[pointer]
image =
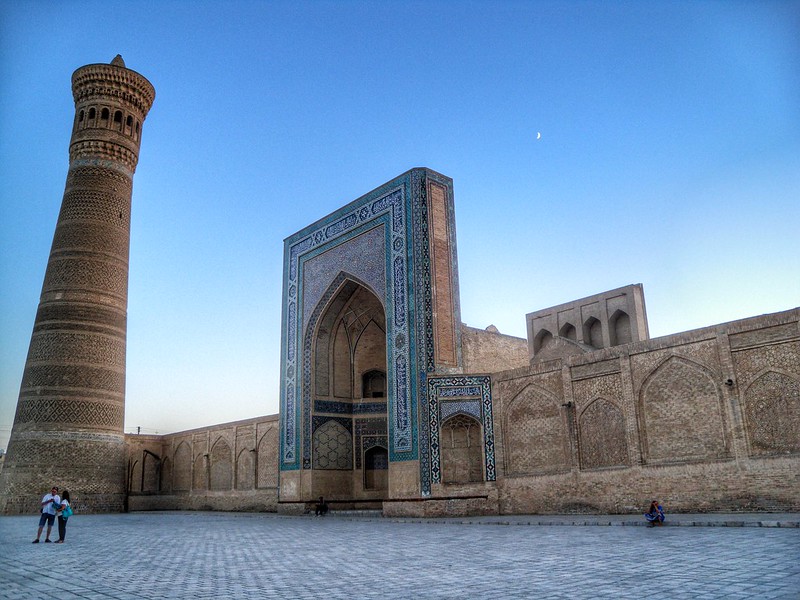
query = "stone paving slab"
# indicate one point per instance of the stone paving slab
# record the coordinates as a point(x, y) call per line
point(242, 555)
point(759, 519)
point(785, 520)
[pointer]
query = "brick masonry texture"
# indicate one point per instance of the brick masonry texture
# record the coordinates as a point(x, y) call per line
point(684, 418)
point(388, 402)
point(489, 351)
point(718, 448)
point(69, 422)
point(224, 467)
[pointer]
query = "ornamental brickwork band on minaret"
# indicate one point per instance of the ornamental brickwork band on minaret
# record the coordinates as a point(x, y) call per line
point(68, 428)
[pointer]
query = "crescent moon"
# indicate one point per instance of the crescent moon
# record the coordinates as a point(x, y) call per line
point(538, 135)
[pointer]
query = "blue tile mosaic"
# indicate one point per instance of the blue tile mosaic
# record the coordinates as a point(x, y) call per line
point(346, 423)
point(459, 394)
point(379, 241)
point(349, 408)
point(460, 407)
point(369, 433)
point(360, 256)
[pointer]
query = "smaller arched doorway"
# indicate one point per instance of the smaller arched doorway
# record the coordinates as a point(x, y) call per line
point(376, 469)
point(373, 384)
point(462, 451)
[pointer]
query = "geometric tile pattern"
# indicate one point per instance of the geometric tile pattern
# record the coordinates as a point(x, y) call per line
point(368, 434)
point(333, 447)
point(772, 414)
point(460, 407)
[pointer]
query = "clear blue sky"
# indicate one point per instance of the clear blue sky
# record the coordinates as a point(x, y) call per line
point(669, 156)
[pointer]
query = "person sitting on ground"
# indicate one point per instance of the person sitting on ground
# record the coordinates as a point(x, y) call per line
point(322, 508)
point(655, 514)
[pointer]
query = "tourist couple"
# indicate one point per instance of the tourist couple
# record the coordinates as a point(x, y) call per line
point(54, 505)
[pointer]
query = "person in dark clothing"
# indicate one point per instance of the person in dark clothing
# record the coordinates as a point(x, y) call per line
point(321, 508)
point(63, 516)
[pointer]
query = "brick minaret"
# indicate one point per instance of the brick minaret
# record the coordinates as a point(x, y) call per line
point(68, 428)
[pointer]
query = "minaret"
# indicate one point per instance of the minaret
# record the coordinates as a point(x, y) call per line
point(68, 428)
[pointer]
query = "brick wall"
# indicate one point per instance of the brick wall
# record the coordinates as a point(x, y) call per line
point(488, 351)
point(233, 466)
point(704, 420)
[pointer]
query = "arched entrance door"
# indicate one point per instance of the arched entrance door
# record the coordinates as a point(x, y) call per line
point(349, 390)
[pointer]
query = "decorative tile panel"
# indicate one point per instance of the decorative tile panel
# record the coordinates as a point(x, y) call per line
point(453, 395)
point(392, 221)
point(368, 434)
point(349, 408)
point(461, 407)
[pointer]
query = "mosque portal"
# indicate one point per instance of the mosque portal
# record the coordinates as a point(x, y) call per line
point(370, 314)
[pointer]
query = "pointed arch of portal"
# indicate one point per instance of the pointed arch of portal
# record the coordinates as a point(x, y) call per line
point(345, 341)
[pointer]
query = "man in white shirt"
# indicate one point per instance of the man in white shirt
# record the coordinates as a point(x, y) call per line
point(50, 504)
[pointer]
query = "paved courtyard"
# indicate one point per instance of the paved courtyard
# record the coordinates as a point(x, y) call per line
point(233, 555)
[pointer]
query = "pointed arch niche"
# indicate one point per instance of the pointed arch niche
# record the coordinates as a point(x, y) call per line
point(376, 468)
point(267, 475)
point(601, 436)
point(681, 416)
point(619, 328)
point(593, 333)
point(537, 440)
point(348, 390)
point(461, 441)
point(182, 468)
point(772, 414)
point(221, 466)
